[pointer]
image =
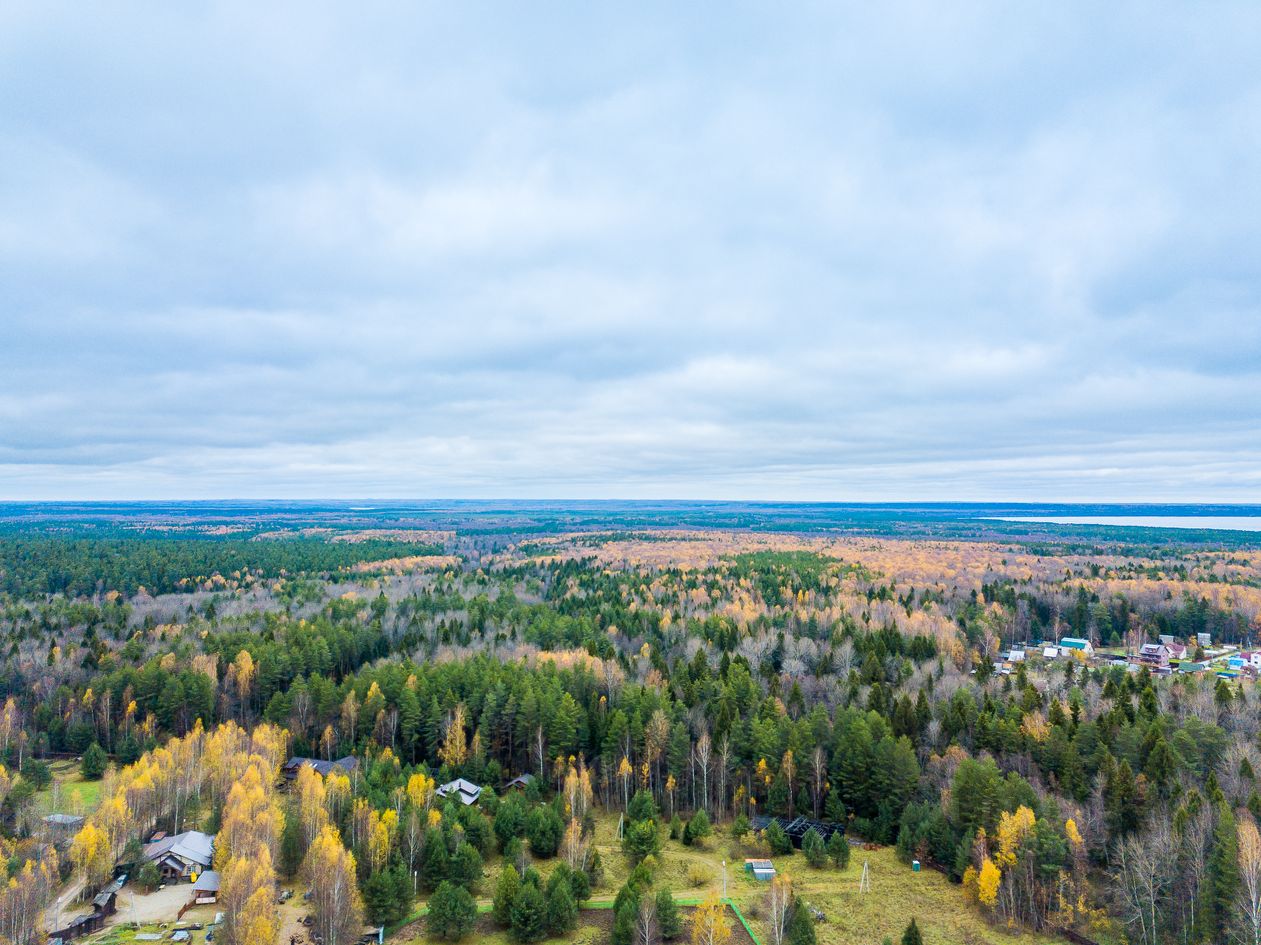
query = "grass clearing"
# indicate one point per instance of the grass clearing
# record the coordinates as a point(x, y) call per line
point(897, 895)
point(68, 793)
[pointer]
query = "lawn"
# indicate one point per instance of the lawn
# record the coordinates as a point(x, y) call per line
point(68, 793)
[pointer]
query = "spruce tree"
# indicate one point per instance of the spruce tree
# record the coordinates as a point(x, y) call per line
point(912, 935)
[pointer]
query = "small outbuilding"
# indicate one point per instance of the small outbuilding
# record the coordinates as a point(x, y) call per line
point(520, 782)
point(206, 888)
point(761, 870)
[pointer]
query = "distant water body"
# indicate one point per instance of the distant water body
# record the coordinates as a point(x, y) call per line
point(1235, 523)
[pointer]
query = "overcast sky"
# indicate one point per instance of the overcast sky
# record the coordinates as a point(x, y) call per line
point(900, 251)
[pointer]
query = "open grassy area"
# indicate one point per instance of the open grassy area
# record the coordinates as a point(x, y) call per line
point(68, 793)
point(897, 894)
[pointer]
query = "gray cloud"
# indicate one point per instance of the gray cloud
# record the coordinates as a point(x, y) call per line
point(905, 252)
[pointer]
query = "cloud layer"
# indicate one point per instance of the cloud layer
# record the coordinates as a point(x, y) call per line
point(893, 252)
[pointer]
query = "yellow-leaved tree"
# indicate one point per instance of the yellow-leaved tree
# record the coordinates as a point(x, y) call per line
point(710, 925)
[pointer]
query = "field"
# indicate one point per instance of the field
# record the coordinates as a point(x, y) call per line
point(897, 895)
point(68, 793)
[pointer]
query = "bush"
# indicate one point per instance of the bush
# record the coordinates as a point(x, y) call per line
point(740, 826)
point(697, 829)
point(676, 828)
point(452, 912)
point(699, 875)
point(149, 878)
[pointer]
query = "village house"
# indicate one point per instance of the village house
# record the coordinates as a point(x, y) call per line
point(1155, 656)
point(290, 768)
point(1077, 643)
point(181, 855)
point(465, 791)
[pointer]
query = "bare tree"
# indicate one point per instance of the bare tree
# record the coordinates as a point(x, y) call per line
point(1144, 876)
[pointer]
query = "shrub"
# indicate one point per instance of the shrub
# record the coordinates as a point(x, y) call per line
point(699, 875)
point(740, 826)
point(697, 829)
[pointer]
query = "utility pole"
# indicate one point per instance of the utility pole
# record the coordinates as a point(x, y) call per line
point(724, 880)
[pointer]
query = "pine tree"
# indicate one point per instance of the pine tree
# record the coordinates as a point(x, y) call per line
point(562, 911)
point(1221, 887)
point(435, 863)
point(668, 919)
point(813, 847)
point(912, 935)
point(838, 850)
point(529, 914)
point(506, 890)
point(452, 912)
point(800, 927)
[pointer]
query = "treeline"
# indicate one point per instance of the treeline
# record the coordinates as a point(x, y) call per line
point(32, 567)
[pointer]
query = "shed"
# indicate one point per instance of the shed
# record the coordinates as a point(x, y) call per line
point(763, 870)
point(206, 889)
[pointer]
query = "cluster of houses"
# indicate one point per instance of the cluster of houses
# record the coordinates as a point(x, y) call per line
point(1163, 658)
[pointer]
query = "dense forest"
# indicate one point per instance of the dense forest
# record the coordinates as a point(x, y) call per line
point(662, 676)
